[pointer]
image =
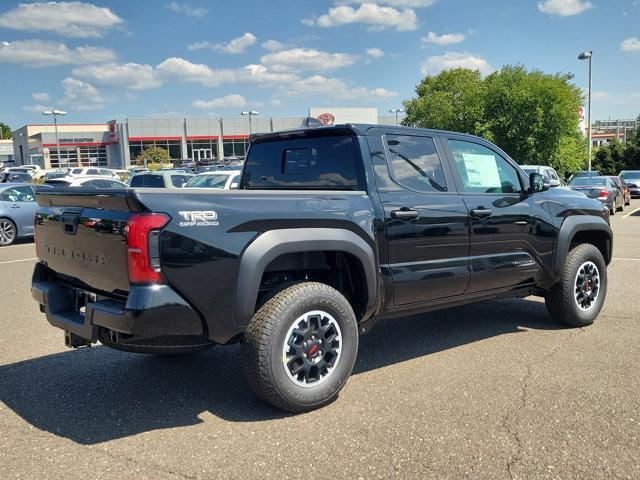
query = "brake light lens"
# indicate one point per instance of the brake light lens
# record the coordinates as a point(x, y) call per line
point(143, 247)
point(603, 193)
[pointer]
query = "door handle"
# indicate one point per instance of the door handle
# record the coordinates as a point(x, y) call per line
point(480, 212)
point(404, 213)
point(15, 205)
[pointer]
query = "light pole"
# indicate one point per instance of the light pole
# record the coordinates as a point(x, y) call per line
point(250, 114)
point(588, 56)
point(55, 114)
point(396, 111)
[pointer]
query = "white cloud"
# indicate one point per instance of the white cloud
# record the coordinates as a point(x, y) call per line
point(187, 9)
point(35, 108)
point(273, 45)
point(374, 52)
point(445, 39)
point(41, 97)
point(336, 89)
point(306, 59)
point(631, 44)
point(186, 71)
point(81, 96)
point(234, 46)
point(228, 101)
point(261, 76)
point(617, 99)
point(70, 19)
point(41, 53)
point(375, 16)
point(393, 3)
point(276, 102)
point(130, 75)
point(437, 63)
point(564, 8)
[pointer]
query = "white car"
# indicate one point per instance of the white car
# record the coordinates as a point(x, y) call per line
point(92, 172)
point(220, 179)
point(91, 182)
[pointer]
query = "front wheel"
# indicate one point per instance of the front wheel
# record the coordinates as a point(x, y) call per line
point(300, 347)
point(577, 298)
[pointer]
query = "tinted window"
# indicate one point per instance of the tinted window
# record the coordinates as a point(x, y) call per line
point(76, 171)
point(151, 181)
point(630, 174)
point(323, 162)
point(482, 170)
point(414, 163)
point(179, 180)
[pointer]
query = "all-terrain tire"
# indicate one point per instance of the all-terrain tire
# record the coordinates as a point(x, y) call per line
point(265, 363)
point(561, 300)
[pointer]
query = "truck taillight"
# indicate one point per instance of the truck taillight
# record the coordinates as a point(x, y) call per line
point(143, 247)
point(603, 193)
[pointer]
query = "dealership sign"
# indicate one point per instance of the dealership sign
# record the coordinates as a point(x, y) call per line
point(113, 134)
point(326, 118)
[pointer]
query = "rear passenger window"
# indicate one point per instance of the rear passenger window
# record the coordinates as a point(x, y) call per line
point(179, 180)
point(93, 171)
point(414, 163)
point(319, 162)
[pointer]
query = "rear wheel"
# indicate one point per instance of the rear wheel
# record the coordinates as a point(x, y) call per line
point(577, 298)
point(300, 347)
point(8, 232)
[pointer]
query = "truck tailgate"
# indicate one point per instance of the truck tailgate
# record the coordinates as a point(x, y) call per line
point(82, 235)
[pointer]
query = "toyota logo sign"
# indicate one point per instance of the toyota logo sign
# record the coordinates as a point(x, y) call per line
point(326, 118)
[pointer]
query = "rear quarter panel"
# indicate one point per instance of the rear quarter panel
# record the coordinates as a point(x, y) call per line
point(200, 258)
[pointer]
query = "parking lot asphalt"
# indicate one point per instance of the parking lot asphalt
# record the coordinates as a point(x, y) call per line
point(493, 390)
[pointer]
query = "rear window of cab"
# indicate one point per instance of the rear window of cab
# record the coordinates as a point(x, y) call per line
point(328, 162)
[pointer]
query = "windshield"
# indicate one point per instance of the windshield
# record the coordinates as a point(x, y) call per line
point(595, 181)
point(630, 174)
point(151, 181)
point(208, 181)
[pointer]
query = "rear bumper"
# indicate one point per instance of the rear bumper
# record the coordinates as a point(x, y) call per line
point(150, 310)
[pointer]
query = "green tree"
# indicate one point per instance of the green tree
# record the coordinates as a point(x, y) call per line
point(451, 100)
point(610, 159)
point(531, 115)
point(153, 155)
point(5, 131)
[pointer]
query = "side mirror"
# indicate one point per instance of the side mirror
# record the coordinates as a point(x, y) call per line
point(554, 183)
point(234, 185)
point(537, 183)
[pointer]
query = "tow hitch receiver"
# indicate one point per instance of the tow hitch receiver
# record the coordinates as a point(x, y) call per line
point(72, 340)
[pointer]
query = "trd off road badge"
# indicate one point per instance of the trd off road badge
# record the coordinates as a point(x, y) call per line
point(199, 218)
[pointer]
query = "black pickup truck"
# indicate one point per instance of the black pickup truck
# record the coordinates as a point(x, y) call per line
point(331, 229)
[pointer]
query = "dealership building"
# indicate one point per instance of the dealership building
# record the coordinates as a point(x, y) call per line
point(117, 143)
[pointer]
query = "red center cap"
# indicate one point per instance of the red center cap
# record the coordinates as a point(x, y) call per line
point(313, 349)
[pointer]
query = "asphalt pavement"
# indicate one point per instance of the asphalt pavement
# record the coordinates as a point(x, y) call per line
point(493, 390)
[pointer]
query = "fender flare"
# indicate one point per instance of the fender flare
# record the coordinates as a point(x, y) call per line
point(573, 225)
point(270, 245)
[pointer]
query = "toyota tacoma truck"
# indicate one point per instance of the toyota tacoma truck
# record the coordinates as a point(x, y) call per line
point(331, 229)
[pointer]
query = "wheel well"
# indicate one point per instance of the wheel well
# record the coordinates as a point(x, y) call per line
point(598, 238)
point(342, 271)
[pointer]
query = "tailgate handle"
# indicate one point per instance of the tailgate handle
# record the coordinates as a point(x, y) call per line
point(70, 221)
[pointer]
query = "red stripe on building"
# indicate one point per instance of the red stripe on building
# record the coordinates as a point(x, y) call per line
point(232, 137)
point(85, 144)
point(202, 137)
point(148, 139)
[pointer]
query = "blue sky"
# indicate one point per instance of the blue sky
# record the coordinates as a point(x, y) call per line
point(172, 58)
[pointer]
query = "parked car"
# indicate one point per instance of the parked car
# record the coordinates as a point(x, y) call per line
point(331, 229)
point(17, 207)
point(162, 179)
point(91, 182)
point(632, 179)
point(620, 183)
point(549, 173)
point(92, 172)
point(583, 173)
point(124, 175)
point(601, 188)
point(15, 177)
point(221, 179)
point(138, 169)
